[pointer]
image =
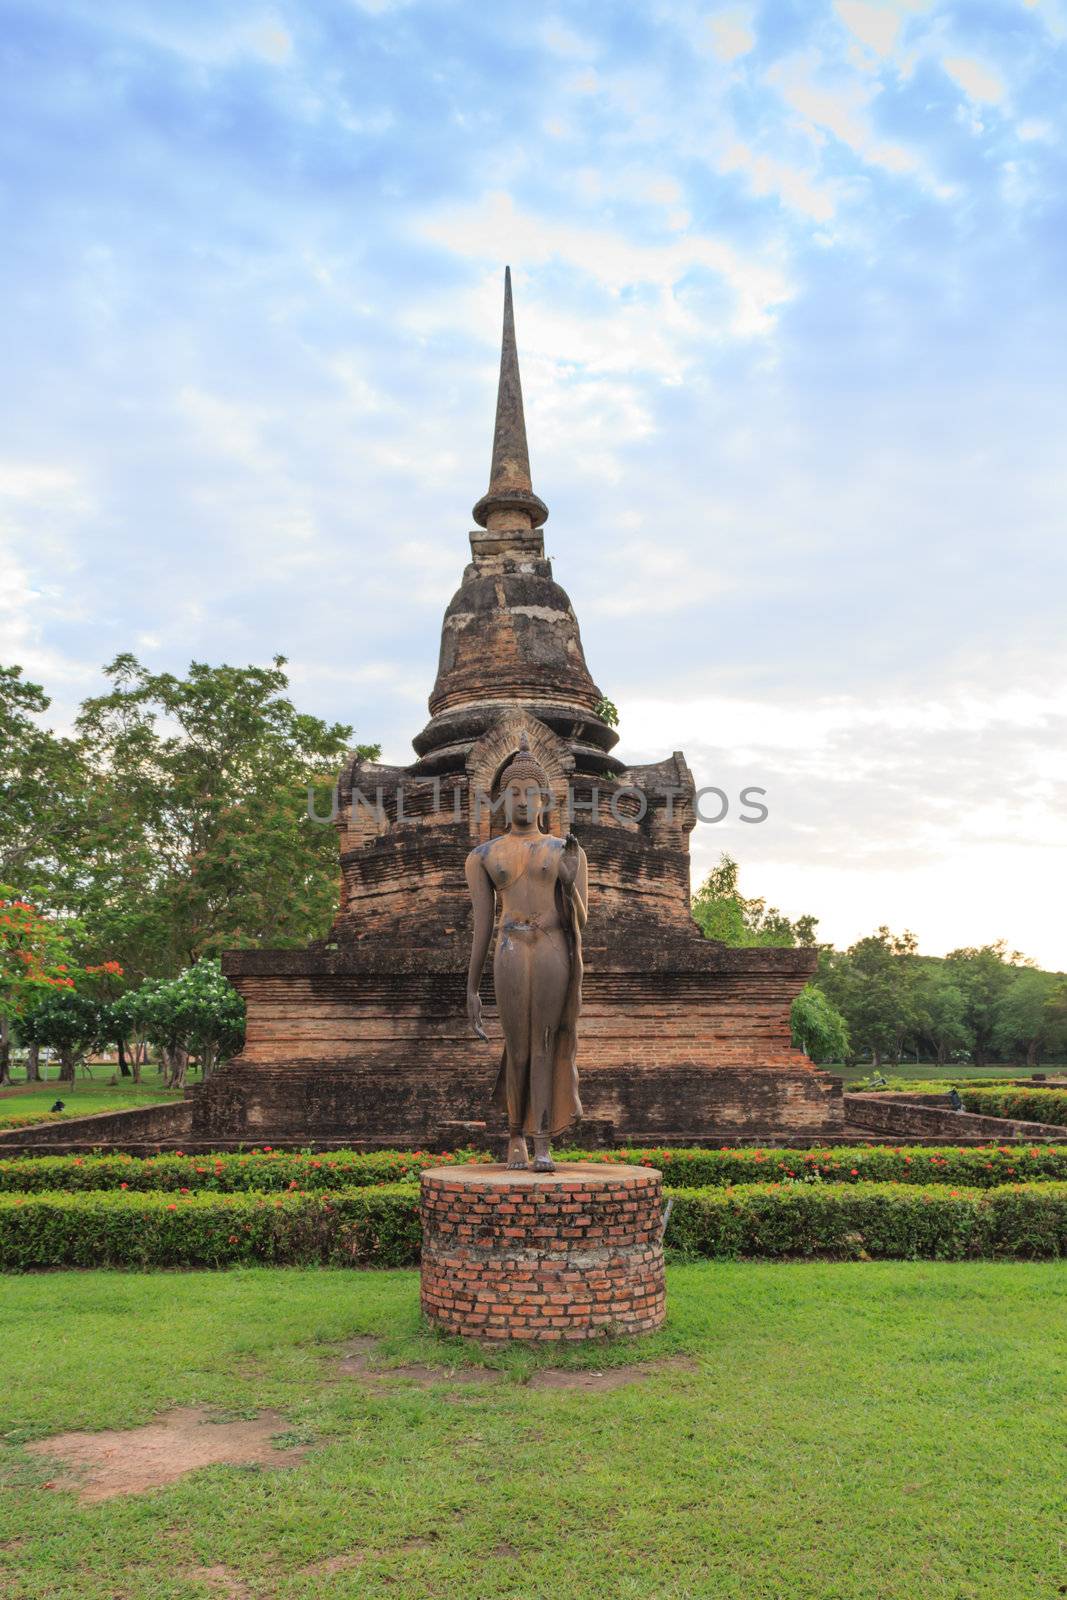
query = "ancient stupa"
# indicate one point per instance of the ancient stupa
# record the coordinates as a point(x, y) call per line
point(363, 1038)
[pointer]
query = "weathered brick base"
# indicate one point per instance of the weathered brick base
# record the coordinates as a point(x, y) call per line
point(573, 1254)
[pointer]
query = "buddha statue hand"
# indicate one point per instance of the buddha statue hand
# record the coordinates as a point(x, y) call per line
point(568, 861)
point(474, 1014)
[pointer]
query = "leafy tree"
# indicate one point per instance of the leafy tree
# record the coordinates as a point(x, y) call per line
point(34, 960)
point(941, 1014)
point(1056, 1005)
point(818, 1027)
point(196, 1015)
point(723, 913)
point(873, 985)
point(198, 834)
point(42, 790)
point(67, 1022)
point(106, 984)
point(983, 974)
point(1027, 1024)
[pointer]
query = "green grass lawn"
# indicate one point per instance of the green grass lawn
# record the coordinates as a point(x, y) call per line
point(891, 1431)
point(928, 1073)
point(85, 1095)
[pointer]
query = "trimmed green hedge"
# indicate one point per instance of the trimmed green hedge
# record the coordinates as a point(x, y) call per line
point(1025, 1105)
point(981, 1167)
point(357, 1227)
point(261, 1170)
point(871, 1221)
point(283, 1171)
point(380, 1227)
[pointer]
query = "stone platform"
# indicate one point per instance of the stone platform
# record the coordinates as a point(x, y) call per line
point(572, 1254)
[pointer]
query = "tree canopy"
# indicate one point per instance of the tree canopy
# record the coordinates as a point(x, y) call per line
point(174, 824)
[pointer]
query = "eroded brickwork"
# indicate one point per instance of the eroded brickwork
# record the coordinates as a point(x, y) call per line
point(573, 1255)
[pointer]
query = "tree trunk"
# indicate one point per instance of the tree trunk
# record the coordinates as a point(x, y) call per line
point(66, 1066)
point(5, 1050)
point(124, 1070)
point(33, 1064)
point(1033, 1053)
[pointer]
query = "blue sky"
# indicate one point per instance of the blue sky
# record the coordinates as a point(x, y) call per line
point(789, 291)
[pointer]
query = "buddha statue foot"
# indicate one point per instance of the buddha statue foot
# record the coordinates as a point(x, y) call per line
point(542, 1161)
point(518, 1155)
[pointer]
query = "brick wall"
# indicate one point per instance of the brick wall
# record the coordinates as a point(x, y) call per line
point(575, 1255)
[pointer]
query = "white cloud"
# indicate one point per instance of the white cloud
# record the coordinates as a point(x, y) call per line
point(586, 82)
point(647, 578)
point(875, 26)
point(209, 43)
point(272, 42)
point(45, 486)
point(793, 187)
point(1033, 128)
point(980, 82)
point(825, 99)
point(226, 427)
point(894, 809)
point(42, 512)
point(731, 34)
point(620, 263)
point(563, 40)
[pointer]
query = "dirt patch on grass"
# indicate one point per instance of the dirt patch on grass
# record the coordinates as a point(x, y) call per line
point(592, 1379)
point(222, 1581)
point(344, 1563)
point(102, 1465)
point(357, 1358)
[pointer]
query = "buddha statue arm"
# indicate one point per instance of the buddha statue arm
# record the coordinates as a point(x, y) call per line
point(481, 889)
point(574, 876)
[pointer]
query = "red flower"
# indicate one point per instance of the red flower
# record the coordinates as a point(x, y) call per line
point(172, 1207)
point(854, 1173)
point(124, 1186)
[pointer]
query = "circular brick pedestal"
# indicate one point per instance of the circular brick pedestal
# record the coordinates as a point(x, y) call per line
point(569, 1254)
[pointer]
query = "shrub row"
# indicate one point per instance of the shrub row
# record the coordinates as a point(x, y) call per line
point(380, 1227)
point(275, 1171)
point(356, 1227)
point(263, 1170)
point(1026, 1105)
point(978, 1167)
point(871, 1221)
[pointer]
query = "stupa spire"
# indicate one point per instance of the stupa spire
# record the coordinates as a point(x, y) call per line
point(510, 501)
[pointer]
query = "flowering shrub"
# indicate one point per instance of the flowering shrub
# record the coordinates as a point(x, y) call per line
point(380, 1227)
point(270, 1171)
point(264, 1170)
point(978, 1167)
point(1026, 1105)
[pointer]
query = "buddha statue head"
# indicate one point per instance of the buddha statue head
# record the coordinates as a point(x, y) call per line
point(525, 788)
